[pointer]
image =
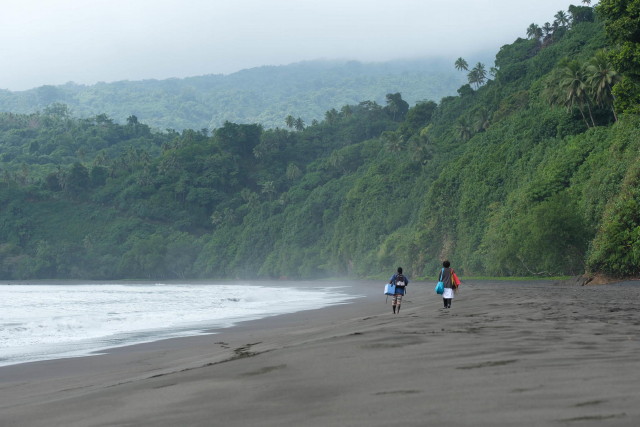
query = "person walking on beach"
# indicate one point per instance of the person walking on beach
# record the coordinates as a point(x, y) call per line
point(446, 277)
point(401, 281)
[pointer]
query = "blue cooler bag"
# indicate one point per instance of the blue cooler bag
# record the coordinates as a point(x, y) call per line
point(389, 289)
point(440, 286)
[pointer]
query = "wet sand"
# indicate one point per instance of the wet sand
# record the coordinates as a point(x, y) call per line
point(505, 354)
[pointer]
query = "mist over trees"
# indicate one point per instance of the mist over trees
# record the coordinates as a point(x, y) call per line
point(262, 95)
point(531, 169)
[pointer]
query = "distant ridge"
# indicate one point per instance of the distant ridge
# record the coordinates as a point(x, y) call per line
point(264, 95)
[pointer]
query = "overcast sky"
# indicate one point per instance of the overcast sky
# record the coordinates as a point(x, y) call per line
point(86, 41)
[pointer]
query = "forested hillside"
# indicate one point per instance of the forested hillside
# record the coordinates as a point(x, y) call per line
point(264, 95)
point(532, 170)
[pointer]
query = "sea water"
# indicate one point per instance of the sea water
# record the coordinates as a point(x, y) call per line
point(50, 321)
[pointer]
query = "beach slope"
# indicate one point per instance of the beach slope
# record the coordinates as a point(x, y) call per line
point(506, 353)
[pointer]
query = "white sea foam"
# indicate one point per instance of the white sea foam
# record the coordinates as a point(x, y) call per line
point(48, 321)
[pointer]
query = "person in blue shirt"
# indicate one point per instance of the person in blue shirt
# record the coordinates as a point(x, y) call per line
point(401, 281)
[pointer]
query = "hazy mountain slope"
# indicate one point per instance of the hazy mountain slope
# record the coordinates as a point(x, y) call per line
point(506, 178)
point(264, 95)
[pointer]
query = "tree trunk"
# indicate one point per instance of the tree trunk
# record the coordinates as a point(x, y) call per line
point(584, 118)
point(593, 122)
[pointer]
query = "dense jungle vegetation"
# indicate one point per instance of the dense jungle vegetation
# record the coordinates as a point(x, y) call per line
point(262, 95)
point(532, 169)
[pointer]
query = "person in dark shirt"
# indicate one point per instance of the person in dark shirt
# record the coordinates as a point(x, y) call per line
point(446, 277)
point(401, 281)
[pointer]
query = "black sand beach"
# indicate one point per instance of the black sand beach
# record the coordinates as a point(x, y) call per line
point(506, 354)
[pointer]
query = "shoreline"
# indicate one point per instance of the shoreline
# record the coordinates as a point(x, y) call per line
point(537, 353)
point(364, 289)
point(253, 300)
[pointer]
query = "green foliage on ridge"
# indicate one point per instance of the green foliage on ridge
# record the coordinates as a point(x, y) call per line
point(517, 177)
point(264, 95)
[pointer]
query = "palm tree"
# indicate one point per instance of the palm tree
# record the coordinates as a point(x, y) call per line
point(101, 159)
point(393, 141)
point(482, 119)
point(533, 31)
point(331, 116)
point(228, 215)
point(482, 72)
point(335, 160)
point(539, 33)
point(478, 75)
point(472, 77)
point(249, 197)
point(420, 149)
point(464, 128)
point(573, 87)
point(547, 30)
point(346, 111)
point(132, 120)
point(268, 188)
point(258, 151)
point(82, 154)
point(396, 106)
point(601, 77)
point(461, 64)
point(562, 18)
point(216, 218)
point(299, 125)
point(293, 172)
point(290, 121)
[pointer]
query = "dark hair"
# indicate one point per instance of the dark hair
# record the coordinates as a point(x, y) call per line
point(446, 264)
point(400, 270)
